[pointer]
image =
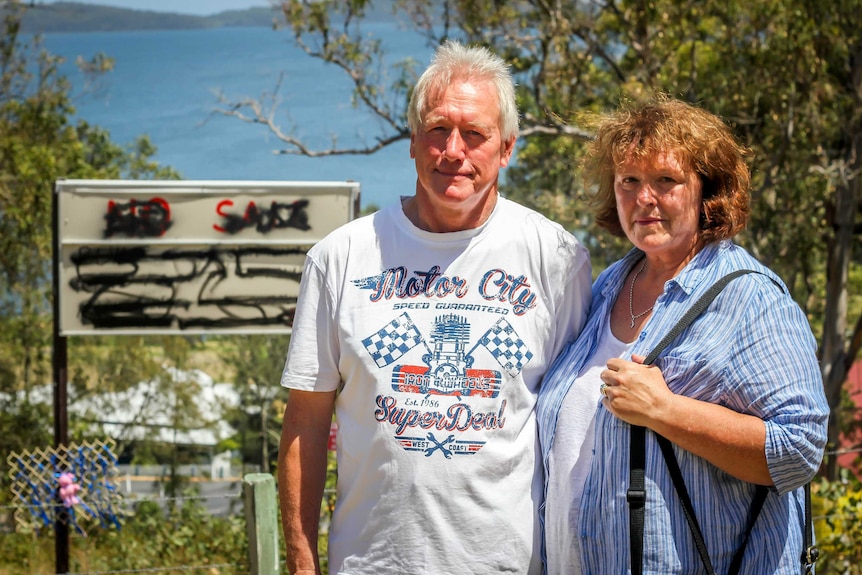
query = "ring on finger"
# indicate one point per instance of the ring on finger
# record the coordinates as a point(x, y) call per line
point(603, 388)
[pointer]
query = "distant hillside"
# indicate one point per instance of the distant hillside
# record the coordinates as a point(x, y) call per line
point(77, 17)
point(80, 17)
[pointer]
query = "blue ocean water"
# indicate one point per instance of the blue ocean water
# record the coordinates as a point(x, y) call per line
point(164, 83)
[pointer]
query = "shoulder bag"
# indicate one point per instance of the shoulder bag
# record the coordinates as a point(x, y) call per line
point(636, 494)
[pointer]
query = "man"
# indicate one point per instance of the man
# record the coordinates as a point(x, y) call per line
point(427, 328)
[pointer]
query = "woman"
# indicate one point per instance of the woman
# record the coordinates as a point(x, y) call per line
point(738, 393)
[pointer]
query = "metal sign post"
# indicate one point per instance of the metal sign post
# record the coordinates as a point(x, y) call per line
point(61, 424)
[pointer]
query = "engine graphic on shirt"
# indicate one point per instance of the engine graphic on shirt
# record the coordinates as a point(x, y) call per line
point(447, 362)
point(446, 371)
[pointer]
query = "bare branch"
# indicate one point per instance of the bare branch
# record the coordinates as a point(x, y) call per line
point(556, 130)
point(301, 149)
point(255, 111)
point(361, 59)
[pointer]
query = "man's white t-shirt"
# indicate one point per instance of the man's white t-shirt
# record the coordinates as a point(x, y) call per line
point(437, 343)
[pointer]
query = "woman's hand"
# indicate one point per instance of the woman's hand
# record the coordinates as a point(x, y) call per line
point(636, 393)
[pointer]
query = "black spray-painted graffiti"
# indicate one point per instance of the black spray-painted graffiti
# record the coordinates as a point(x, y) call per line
point(138, 219)
point(152, 218)
point(207, 288)
point(277, 216)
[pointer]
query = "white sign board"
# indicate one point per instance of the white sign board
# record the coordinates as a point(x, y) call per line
point(174, 257)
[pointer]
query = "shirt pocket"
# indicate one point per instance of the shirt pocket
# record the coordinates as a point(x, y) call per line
point(691, 377)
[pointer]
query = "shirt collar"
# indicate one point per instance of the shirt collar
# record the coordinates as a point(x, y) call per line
point(692, 275)
point(700, 268)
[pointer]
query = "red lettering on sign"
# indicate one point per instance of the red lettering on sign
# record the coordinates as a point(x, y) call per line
point(150, 218)
point(222, 204)
point(277, 216)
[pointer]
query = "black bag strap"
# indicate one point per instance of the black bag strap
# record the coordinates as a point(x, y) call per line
point(687, 507)
point(636, 497)
point(692, 313)
point(757, 502)
point(760, 493)
point(810, 553)
point(636, 494)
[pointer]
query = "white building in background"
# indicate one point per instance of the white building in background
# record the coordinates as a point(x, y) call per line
point(147, 412)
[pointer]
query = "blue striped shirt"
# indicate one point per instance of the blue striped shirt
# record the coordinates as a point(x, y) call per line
point(751, 351)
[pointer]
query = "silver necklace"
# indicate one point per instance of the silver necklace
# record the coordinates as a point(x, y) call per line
point(632, 296)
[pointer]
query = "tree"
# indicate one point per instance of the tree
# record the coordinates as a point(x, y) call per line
point(145, 379)
point(39, 143)
point(256, 362)
point(785, 74)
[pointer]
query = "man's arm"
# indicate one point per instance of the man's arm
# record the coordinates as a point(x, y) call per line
point(302, 475)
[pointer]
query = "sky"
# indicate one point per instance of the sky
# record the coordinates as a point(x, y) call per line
point(198, 7)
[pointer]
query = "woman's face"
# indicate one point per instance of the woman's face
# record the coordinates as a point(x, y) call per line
point(659, 205)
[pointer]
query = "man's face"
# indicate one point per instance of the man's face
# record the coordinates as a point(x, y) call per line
point(459, 151)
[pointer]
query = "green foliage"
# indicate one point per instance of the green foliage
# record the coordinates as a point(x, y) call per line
point(185, 535)
point(369, 209)
point(331, 30)
point(39, 144)
point(784, 74)
point(837, 508)
point(256, 362)
point(23, 426)
point(106, 375)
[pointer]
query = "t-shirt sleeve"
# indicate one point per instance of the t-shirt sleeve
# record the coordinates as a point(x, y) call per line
point(312, 357)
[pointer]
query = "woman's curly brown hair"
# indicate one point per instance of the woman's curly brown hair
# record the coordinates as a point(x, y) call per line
point(701, 141)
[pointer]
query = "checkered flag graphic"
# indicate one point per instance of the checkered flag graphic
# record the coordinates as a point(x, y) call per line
point(397, 338)
point(507, 347)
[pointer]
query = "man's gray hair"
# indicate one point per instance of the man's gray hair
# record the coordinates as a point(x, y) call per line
point(453, 61)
